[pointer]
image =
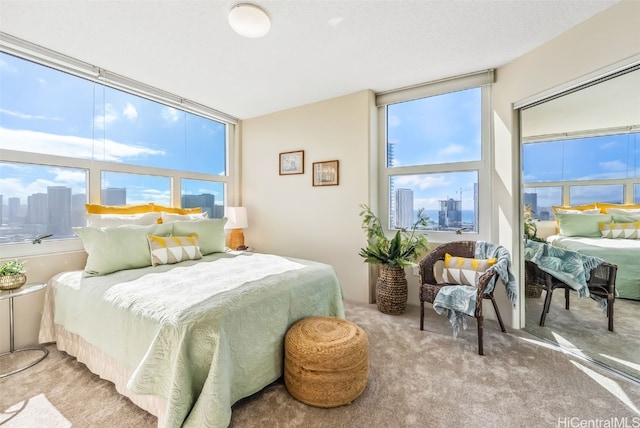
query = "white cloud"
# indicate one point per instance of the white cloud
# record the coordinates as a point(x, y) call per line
point(102, 120)
point(71, 146)
point(130, 112)
point(450, 150)
point(420, 181)
point(170, 115)
point(77, 177)
point(20, 115)
point(613, 166)
point(4, 66)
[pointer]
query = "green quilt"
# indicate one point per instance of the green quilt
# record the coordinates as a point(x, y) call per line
point(200, 334)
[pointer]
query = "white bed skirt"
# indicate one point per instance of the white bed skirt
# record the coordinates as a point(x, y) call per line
point(96, 361)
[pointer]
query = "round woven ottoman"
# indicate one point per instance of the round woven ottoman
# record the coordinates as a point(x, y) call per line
point(326, 362)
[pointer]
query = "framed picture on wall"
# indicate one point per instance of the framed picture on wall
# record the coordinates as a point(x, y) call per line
point(325, 173)
point(292, 163)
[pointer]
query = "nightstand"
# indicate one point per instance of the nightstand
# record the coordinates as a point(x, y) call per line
point(11, 294)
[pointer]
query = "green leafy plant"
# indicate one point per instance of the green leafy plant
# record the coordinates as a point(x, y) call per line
point(12, 268)
point(401, 250)
point(530, 227)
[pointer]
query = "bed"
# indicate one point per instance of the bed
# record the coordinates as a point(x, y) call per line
point(184, 340)
point(611, 233)
point(622, 252)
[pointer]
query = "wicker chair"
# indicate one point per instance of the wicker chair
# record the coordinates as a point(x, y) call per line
point(602, 283)
point(429, 286)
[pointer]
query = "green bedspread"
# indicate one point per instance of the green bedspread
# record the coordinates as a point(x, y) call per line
point(622, 252)
point(202, 334)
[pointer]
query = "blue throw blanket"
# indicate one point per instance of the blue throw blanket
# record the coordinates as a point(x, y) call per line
point(570, 267)
point(487, 250)
point(458, 301)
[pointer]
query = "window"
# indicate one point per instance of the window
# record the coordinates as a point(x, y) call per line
point(131, 189)
point(600, 168)
point(541, 199)
point(67, 139)
point(39, 200)
point(434, 154)
point(203, 194)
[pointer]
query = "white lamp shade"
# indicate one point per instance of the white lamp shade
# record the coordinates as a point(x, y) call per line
point(249, 20)
point(236, 218)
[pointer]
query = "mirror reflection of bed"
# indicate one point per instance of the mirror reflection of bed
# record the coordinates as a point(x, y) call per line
point(581, 154)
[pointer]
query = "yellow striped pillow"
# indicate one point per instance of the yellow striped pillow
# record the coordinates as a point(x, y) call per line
point(464, 271)
point(620, 230)
point(174, 249)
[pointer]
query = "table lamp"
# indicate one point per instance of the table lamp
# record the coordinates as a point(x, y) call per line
point(236, 221)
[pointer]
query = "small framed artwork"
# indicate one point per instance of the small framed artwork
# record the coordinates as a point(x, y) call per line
point(292, 163)
point(325, 173)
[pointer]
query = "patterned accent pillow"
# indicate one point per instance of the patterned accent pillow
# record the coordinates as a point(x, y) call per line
point(174, 249)
point(464, 271)
point(620, 230)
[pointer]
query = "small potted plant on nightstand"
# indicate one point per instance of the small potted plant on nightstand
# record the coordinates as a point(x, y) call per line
point(12, 275)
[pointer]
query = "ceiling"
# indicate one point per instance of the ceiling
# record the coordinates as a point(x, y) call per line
point(316, 49)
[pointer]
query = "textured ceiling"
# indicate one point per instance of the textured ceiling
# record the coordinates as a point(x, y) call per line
point(316, 49)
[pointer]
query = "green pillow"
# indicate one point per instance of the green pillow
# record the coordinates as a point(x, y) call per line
point(625, 218)
point(210, 233)
point(581, 224)
point(111, 249)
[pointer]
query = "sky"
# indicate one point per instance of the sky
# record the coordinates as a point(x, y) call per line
point(594, 158)
point(46, 111)
point(439, 129)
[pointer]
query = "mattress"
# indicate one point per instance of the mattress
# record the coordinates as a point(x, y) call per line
point(186, 341)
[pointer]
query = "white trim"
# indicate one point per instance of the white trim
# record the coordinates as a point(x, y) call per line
point(583, 80)
point(41, 55)
point(481, 166)
point(581, 134)
point(436, 87)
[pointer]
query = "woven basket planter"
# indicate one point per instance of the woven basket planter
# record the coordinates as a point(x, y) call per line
point(326, 361)
point(11, 282)
point(391, 290)
point(531, 288)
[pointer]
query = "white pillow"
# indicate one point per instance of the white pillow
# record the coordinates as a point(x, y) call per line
point(170, 217)
point(625, 211)
point(570, 211)
point(115, 220)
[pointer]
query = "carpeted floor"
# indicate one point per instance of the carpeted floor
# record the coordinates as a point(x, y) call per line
point(583, 328)
point(416, 379)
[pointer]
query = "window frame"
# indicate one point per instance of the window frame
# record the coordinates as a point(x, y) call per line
point(482, 79)
point(628, 184)
point(62, 63)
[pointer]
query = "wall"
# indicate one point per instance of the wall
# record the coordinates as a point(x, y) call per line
point(27, 309)
point(290, 217)
point(599, 42)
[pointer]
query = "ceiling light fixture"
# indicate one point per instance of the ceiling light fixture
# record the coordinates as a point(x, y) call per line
point(249, 20)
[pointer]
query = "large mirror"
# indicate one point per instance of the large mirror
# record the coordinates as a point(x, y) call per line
point(581, 151)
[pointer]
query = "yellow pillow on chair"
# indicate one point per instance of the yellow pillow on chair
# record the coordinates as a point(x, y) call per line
point(464, 271)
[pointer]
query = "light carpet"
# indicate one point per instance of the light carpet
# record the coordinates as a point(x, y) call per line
point(416, 379)
point(583, 328)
